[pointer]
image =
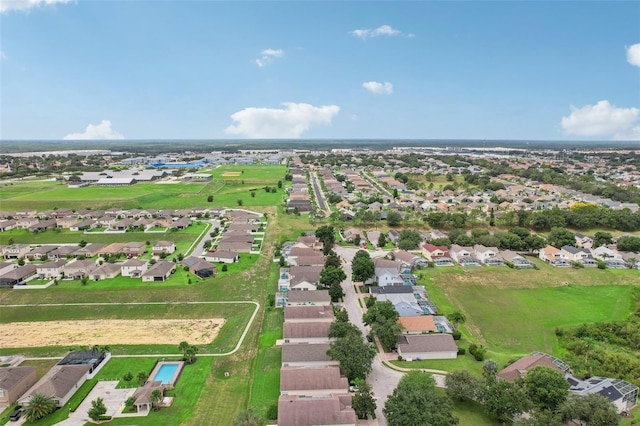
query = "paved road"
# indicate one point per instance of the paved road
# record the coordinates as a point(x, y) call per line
point(317, 189)
point(383, 380)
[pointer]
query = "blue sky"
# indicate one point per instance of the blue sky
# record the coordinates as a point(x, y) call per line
point(526, 70)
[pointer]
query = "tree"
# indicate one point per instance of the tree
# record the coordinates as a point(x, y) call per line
point(210, 199)
point(354, 355)
point(142, 377)
point(592, 408)
point(415, 402)
point(409, 239)
point(239, 201)
point(382, 240)
point(247, 418)
point(456, 317)
point(394, 218)
point(380, 311)
point(504, 400)
point(128, 376)
point(331, 275)
point(38, 407)
point(362, 267)
point(629, 243)
point(462, 386)
point(155, 398)
point(559, 237)
point(327, 235)
point(357, 240)
point(336, 293)
point(363, 402)
point(387, 330)
point(188, 352)
point(343, 329)
point(97, 409)
point(602, 239)
point(333, 260)
point(489, 370)
point(547, 388)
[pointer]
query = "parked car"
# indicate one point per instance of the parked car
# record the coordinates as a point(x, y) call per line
point(15, 416)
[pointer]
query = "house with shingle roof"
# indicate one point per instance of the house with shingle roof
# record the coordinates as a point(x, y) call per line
point(14, 382)
point(306, 355)
point(161, 271)
point(312, 381)
point(427, 346)
point(60, 383)
point(307, 331)
point(300, 410)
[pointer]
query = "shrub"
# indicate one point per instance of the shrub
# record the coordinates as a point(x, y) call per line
point(456, 335)
point(272, 412)
point(478, 352)
point(462, 351)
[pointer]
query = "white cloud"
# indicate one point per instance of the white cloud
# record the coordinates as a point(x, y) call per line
point(603, 119)
point(383, 30)
point(96, 131)
point(268, 56)
point(3, 55)
point(633, 54)
point(385, 88)
point(26, 5)
point(288, 122)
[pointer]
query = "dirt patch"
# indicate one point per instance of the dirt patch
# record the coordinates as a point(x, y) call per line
point(231, 174)
point(109, 332)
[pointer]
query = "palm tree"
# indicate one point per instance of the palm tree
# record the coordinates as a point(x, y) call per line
point(39, 406)
point(155, 398)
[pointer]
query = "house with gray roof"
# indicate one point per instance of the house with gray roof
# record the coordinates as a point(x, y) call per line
point(14, 382)
point(306, 355)
point(312, 381)
point(427, 346)
point(308, 331)
point(60, 383)
point(161, 271)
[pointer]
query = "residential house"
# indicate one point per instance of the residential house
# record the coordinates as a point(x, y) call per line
point(50, 270)
point(465, 256)
point(309, 331)
point(308, 313)
point(583, 240)
point(221, 256)
point(351, 234)
point(180, 224)
point(579, 255)
point(17, 276)
point(90, 250)
point(439, 255)
point(134, 268)
point(83, 225)
point(79, 269)
point(393, 236)
point(239, 247)
point(554, 257)
point(306, 355)
point(312, 381)
point(417, 324)
point(304, 277)
point(62, 252)
point(67, 221)
point(490, 256)
point(427, 346)
point(15, 251)
point(161, 271)
point(519, 262)
point(26, 222)
point(409, 260)
point(14, 382)
point(43, 225)
point(302, 410)
point(134, 249)
point(106, 271)
point(405, 304)
point(163, 247)
point(623, 395)
point(520, 368)
point(301, 298)
point(7, 225)
point(60, 383)
point(41, 252)
point(199, 267)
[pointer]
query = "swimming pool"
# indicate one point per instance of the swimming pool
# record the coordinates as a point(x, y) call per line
point(166, 372)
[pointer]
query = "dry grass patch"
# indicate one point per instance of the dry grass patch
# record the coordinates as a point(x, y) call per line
point(231, 174)
point(109, 332)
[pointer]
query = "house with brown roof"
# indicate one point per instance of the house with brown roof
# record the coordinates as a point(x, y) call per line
point(417, 324)
point(39, 252)
point(106, 271)
point(90, 250)
point(427, 346)
point(309, 331)
point(17, 276)
point(306, 355)
point(79, 269)
point(302, 298)
point(60, 383)
point(309, 313)
point(134, 249)
point(312, 381)
point(14, 382)
point(299, 410)
point(304, 277)
point(199, 267)
point(240, 247)
point(520, 368)
point(554, 256)
point(15, 251)
point(221, 256)
point(161, 271)
point(50, 269)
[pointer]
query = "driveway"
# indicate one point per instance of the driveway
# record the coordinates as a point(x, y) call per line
point(113, 399)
